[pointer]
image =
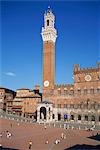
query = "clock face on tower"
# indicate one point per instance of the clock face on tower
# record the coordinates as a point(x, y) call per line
point(88, 78)
point(46, 83)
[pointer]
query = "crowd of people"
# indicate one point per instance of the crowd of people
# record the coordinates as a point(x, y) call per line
point(6, 133)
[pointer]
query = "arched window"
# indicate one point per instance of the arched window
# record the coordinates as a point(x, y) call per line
point(71, 92)
point(65, 92)
point(52, 92)
point(47, 22)
point(92, 91)
point(85, 91)
point(59, 92)
point(98, 90)
point(79, 91)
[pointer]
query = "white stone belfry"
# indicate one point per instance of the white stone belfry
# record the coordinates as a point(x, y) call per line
point(49, 33)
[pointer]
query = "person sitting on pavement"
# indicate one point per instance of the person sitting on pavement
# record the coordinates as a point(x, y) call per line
point(45, 127)
point(8, 134)
point(62, 135)
point(0, 146)
point(30, 144)
point(57, 141)
point(46, 142)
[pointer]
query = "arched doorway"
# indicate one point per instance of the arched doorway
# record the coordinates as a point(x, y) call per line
point(79, 117)
point(72, 117)
point(86, 118)
point(43, 113)
point(59, 117)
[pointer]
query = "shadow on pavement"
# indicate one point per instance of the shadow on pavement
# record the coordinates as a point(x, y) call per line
point(96, 137)
point(84, 147)
point(5, 148)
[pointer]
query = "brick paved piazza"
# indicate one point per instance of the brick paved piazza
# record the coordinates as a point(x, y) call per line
point(23, 132)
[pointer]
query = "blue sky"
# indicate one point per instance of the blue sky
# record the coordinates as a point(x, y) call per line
point(78, 41)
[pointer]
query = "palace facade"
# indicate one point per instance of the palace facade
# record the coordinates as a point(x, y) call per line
point(77, 102)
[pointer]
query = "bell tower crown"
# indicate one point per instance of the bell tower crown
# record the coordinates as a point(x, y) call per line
point(49, 33)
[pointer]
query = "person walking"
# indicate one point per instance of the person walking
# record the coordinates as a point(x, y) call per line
point(46, 142)
point(62, 135)
point(30, 144)
point(45, 127)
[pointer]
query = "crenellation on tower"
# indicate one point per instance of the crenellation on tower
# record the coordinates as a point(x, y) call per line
point(49, 32)
point(76, 67)
point(63, 85)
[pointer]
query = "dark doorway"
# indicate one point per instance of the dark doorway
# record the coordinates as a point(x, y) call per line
point(86, 118)
point(53, 116)
point(79, 117)
point(42, 113)
point(35, 115)
point(72, 117)
point(59, 117)
point(92, 118)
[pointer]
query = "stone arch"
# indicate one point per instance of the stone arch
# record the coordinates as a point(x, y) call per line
point(43, 113)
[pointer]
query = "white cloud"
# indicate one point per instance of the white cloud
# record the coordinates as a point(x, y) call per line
point(10, 74)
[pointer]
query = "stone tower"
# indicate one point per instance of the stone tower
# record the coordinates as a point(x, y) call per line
point(49, 35)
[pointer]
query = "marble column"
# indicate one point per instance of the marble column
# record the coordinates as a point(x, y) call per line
point(47, 114)
point(56, 116)
point(38, 115)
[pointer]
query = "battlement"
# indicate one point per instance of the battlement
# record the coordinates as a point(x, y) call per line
point(77, 69)
point(63, 85)
point(49, 12)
